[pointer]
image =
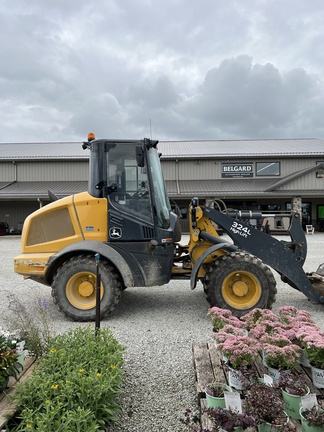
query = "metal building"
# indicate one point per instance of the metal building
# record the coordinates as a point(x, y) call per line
point(269, 175)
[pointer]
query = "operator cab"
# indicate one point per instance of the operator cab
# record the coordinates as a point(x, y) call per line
point(128, 173)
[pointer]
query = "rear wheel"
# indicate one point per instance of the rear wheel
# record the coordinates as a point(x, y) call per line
point(240, 282)
point(74, 288)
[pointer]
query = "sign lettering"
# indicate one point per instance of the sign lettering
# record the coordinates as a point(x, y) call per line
point(237, 170)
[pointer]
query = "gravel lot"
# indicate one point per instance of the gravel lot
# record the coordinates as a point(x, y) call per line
point(157, 326)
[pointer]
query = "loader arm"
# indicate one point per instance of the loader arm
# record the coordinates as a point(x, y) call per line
point(287, 258)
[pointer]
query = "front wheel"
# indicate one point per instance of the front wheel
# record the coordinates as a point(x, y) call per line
point(74, 288)
point(240, 282)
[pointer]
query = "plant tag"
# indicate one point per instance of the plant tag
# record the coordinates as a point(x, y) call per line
point(268, 380)
point(233, 401)
point(20, 347)
point(308, 401)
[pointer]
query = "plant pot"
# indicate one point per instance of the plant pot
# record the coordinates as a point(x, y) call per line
point(317, 377)
point(303, 359)
point(292, 404)
point(275, 374)
point(268, 427)
point(237, 429)
point(305, 425)
point(20, 362)
point(213, 401)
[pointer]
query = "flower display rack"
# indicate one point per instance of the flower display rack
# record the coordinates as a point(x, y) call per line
point(6, 407)
point(209, 367)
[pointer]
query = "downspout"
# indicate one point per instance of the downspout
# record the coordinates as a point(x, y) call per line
point(15, 172)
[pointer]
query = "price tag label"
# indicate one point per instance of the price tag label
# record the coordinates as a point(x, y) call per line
point(308, 401)
point(233, 401)
point(268, 380)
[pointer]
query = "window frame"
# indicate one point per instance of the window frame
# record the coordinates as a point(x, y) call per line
point(269, 164)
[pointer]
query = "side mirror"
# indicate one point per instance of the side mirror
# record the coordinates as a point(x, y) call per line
point(139, 156)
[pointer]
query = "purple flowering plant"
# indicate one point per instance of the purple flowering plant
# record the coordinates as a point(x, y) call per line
point(265, 404)
point(220, 317)
point(228, 419)
point(314, 416)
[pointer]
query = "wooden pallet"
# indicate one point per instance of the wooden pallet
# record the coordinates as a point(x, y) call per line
point(6, 406)
point(209, 368)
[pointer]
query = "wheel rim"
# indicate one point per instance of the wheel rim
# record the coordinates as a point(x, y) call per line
point(81, 290)
point(241, 290)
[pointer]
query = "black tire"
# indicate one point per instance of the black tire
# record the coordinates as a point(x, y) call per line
point(240, 282)
point(73, 288)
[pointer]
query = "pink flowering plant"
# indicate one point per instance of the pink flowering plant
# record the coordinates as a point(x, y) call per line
point(228, 331)
point(241, 351)
point(315, 348)
point(285, 356)
point(220, 317)
point(257, 316)
point(267, 328)
point(290, 314)
point(298, 331)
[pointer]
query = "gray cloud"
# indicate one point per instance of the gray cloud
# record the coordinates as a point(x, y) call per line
point(203, 69)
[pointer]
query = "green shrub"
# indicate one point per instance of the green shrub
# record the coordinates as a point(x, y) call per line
point(75, 386)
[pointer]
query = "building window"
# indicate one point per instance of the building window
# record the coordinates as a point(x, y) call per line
point(267, 168)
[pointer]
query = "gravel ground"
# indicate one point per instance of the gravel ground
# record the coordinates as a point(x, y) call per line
point(157, 326)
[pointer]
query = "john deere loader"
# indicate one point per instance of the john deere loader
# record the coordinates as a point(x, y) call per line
point(125, 218)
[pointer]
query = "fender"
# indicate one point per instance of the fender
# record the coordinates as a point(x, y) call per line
point(222, 245)
point(94, 247)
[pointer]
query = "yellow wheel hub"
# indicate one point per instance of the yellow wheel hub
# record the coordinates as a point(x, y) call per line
point(241, 290)
point(81, 290)
point(86, 289)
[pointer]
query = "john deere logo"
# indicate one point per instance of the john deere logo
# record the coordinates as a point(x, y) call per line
point(115, 232)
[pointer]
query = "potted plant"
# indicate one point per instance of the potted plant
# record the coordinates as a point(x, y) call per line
point(257, 316)
point(300, 331)
point(266, 405)
point(293, 387)
point(315, 353)
point(228, 331)
point(215, 394)
point(290, 314)
point(279, 353)
point(312, 419)
point(16, 344)
point(221, 317)
point(298, 324)
point(241, 352)
point(230, 420)
point(8, 366)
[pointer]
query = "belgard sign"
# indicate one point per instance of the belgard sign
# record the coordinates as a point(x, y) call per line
point(237, 170)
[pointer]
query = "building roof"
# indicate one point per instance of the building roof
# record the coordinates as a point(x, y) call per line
point(307, 147)
point(294, 175)
point(233, 188)
point(42, 151)
point(23, 190)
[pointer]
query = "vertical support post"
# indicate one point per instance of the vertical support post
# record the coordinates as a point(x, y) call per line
point(98, 280)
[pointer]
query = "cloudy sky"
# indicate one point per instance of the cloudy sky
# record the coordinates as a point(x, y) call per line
point(170, 69)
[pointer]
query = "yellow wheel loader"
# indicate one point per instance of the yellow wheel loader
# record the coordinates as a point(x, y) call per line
point(126, 218)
